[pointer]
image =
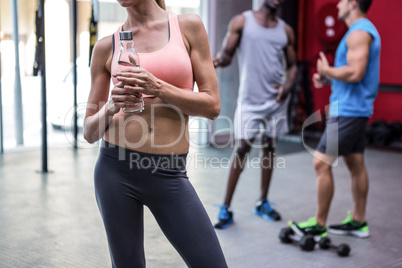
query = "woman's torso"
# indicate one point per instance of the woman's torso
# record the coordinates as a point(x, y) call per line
point(161, 128)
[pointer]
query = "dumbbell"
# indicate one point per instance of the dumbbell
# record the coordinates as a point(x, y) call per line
point(380, 133)
point(396, 130)
point(342, 249)
point(287, 236)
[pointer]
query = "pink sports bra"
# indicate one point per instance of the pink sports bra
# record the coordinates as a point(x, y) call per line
point(171, 64)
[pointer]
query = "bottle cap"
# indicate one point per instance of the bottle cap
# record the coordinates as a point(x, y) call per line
point(126, 35)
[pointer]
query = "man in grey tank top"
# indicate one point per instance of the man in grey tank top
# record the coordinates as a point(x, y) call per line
point(266, 45)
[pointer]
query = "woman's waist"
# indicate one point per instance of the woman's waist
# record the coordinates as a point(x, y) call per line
point(151, 145)
point(144, 159)
point(159, 135)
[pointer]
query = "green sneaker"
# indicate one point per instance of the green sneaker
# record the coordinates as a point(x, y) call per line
point(309, 227)
point(350, 227)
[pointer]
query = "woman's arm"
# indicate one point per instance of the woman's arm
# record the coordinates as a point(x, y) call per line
point(98, 116)
point(204, 103)
point(100, 111)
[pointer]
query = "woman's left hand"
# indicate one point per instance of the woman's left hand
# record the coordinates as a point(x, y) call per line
point(139, 80)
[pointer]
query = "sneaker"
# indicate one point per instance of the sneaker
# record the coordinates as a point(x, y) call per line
point(225, 218)
point(264, 209)
point(350, 227)
point(309, 227)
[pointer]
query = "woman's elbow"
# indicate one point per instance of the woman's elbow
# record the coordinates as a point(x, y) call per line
point(89, 135)
point(89, 138)
point(215, 111)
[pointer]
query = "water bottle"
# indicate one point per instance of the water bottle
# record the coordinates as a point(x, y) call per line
point(128, 57)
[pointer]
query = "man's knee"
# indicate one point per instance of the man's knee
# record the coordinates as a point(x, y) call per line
point(355, 163)
point(267, 144)
point(243, 148)
point(321, 166)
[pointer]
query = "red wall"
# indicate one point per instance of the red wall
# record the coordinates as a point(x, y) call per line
point(386, 17)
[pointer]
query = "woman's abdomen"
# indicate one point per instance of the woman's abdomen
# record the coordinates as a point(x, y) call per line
point(160, 129)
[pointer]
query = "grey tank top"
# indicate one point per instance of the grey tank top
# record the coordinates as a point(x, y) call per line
point(261, 60)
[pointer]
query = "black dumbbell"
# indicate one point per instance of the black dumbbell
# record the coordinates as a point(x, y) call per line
point(287, 236)
point(342, 249)
point(379, 124)
point(396, 130)
point(381, 134)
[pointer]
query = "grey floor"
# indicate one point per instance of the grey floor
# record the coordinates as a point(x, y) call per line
point(52, 220)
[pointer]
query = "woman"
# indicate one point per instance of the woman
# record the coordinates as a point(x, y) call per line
point(142, 157)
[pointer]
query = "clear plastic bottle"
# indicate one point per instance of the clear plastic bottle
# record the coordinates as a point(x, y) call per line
point(128, 57)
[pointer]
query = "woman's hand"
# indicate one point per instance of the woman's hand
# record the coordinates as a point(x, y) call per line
point(138, 80)
point(122, 97)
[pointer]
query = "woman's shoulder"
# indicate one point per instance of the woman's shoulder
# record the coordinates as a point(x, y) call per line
point(102, 52)
point(189, 18)
point(104, 44)
point(190, 22)
point(192, 28)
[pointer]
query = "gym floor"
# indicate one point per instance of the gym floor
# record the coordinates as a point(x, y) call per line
point(53, 221)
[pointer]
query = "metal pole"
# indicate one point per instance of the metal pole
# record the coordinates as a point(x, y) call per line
point(93, 29)
point(19, 126)
point(74, 40)
point(1, 114)
point(1, 102)
point(41, 42)
point(212, 10)
point(96, 9)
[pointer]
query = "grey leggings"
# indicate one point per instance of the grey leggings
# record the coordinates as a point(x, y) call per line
point(159, 182)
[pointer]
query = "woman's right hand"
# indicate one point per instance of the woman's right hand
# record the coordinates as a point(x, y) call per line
point(121, 97)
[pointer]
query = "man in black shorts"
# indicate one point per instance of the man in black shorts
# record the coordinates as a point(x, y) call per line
point(355, 80)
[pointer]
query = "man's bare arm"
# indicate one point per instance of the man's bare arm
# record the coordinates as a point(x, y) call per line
point(291, 73)
point(358, 44)
point(290, 54)
point(230, 42)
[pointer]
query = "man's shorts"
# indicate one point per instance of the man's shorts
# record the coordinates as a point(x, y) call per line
point(343, 136)
point(269, 118)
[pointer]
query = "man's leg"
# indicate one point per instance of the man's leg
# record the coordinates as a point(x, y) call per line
point(263, 207)
point(360, 184)
point(354, 158)
point(325, 185)
point(267, 165)
point(325, 190)
point(239, 157)
point(355, 224)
